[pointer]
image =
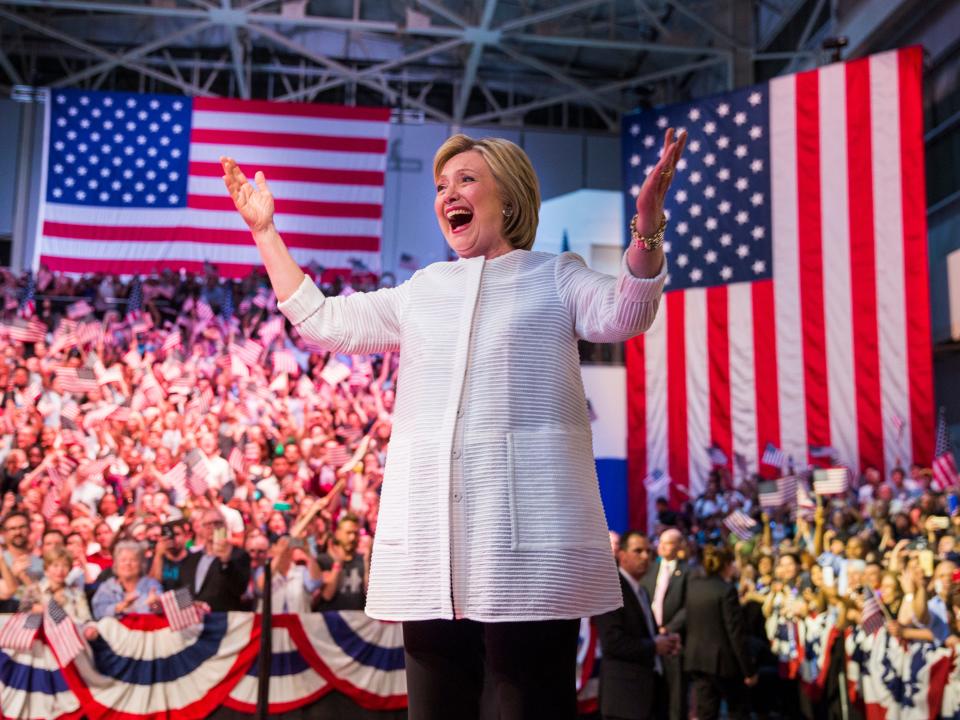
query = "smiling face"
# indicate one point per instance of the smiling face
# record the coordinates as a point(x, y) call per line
point(469, 207)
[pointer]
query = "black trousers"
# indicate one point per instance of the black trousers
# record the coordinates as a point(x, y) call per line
point(530, 669)
point(709, 690)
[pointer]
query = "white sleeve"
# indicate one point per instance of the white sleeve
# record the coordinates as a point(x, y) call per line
point(360, 323)
point(607, 308)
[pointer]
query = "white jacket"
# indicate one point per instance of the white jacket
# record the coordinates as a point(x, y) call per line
point(490, 507)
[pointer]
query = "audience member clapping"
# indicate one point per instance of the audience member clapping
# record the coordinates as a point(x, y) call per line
point(129, 590)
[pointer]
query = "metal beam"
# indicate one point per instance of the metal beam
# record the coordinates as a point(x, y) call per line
point(609, 87)
point(132, 54)
point(698, 20)
point(549, 14)
point(9, 68)
point(473, 61)
point(93, 50)
point(110, 8)
point(445, 13)
point(348, 73)
point(644, 9)
point(588, 94)
point(489, 95)
point(236, 54)
point(627, 45)
point(374, 69)
point(807, 31)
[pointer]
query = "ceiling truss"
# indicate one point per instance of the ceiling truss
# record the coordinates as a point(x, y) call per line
point(573, 63)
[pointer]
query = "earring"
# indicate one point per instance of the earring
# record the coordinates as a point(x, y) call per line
point(508, 211)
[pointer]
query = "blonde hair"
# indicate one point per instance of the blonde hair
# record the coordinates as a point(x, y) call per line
point(55, 555)
point(515, 178)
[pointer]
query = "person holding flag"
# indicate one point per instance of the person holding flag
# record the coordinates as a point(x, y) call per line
point(478, 563)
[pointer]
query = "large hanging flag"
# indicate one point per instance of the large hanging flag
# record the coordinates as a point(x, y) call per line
point(133, 182)
point(797, 309)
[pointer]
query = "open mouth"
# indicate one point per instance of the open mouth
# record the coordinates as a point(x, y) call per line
point(459, 218)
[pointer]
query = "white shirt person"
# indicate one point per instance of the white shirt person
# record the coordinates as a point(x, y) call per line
point(490, 507)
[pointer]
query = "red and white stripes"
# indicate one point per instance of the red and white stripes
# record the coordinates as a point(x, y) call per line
point(835, 350)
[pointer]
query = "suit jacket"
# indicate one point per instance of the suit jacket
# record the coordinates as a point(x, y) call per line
point(627, 671)
point(674, 613)
point(716, 641)
point(224, 583)
point(491, 387)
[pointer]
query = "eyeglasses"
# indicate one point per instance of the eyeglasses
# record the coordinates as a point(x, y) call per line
point(15, 528)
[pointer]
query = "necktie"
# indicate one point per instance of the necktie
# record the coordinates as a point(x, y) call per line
point(663, 580)
point(645, 608)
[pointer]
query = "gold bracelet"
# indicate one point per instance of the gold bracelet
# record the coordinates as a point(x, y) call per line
point(648, 243)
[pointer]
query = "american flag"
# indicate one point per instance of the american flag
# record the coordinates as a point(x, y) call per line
point(944, 463)
point(79, 309)
point(89, 333)
point(335, 372)
point(204, 311)
point(179, 609)
point(235, 459)
point(773, 456)
point(830, 481)
point(26, 330)
point(251, 452)
point(171, 342)
point(262, 298)
point(61, 634)
point(271, 329)
point(871, 616)
point(248, 351)
point(20, 631)
point(198, 472)
point(337, 455)
point(797, 311)
point(284, 362)
point(28, 301)
point(150, 387)
point(94, 468)
point(823, 452)
point(777, 493)
point(806, 505)
point(718, 458)
point(176, 477)
point(741, 524)
point(77, 379)
point(51, 500)
point(133, 181)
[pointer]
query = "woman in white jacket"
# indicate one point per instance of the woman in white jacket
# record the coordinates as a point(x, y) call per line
point(491, 540)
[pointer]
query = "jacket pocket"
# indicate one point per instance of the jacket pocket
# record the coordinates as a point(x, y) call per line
point(393, 519)
point(554, 494)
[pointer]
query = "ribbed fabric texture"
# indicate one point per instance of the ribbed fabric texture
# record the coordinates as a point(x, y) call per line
point(490, 508)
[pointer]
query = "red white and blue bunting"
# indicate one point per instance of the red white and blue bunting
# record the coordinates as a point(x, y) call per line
point(140, 669)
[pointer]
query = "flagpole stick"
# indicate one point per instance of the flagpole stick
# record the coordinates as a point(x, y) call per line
point(266, 644)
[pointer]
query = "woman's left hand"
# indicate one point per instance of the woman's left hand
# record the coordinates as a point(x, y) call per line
point(653, 192)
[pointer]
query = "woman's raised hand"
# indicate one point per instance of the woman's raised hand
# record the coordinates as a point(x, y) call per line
point(254, 204)
point(653, 192)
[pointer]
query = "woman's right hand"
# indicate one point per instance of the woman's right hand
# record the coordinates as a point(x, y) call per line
point(254, 205)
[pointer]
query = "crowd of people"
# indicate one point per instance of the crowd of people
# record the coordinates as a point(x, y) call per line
point(176, 432)
point(883, 555)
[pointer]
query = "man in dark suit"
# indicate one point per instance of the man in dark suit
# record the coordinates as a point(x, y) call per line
point(218, 573)
point(715, 654)
point(631, 672)
point(666, 584)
